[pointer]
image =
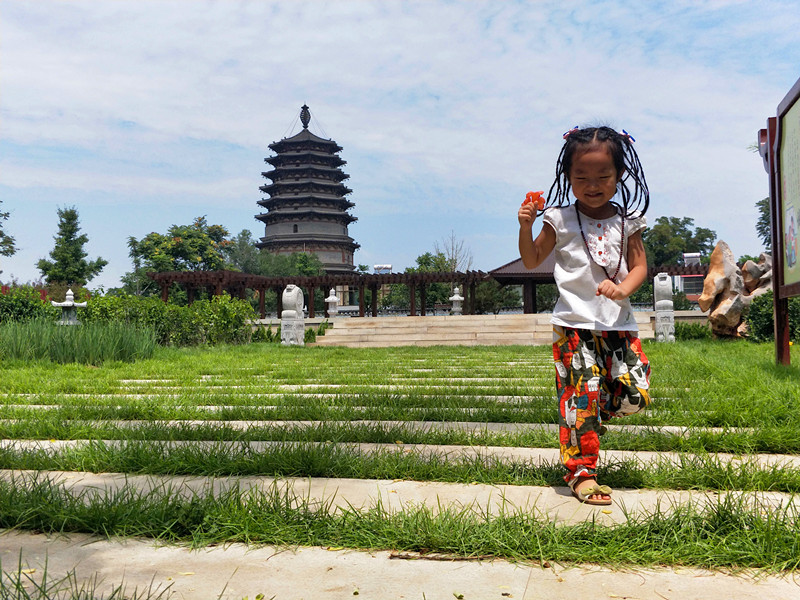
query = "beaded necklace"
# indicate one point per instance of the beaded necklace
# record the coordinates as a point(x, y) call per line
point(585, 243)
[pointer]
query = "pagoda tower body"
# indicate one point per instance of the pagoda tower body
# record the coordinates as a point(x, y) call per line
point(307, 205)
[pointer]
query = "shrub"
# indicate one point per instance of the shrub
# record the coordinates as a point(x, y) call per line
point(90, 344)
point(220, 320)
point(761, 318)
point(681, 302)
point(260, 334)
point(691, 331)
point(24, 303)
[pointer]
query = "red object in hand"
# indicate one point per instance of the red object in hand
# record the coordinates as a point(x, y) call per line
point(536, 198)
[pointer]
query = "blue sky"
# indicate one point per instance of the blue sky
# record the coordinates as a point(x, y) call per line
point(145, 114)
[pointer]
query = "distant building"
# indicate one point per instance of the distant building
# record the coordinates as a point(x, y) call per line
point(382, 269)
point(691, 285)
point(306, 207)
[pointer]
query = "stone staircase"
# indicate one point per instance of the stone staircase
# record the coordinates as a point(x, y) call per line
point(462, 330)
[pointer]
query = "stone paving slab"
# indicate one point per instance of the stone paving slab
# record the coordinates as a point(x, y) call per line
point(548, 503)
point(312, 573)
point(534, 456)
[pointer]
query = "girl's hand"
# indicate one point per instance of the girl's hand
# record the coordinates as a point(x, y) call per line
point(609, 289)
point(526, 214)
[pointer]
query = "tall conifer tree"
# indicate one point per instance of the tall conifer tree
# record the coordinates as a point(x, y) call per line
point(69, 264)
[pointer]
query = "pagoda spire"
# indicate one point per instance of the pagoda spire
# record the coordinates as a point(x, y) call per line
point(305, 116)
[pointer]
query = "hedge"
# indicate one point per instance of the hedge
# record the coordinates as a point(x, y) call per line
point(761, 318)
point(220, 320)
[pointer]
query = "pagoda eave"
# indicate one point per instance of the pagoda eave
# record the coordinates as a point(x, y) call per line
point(272, 218)
point(295, 244)
point(287, 201)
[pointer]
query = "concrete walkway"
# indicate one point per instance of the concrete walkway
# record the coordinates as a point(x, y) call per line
point(548, 503)
point(236, 571)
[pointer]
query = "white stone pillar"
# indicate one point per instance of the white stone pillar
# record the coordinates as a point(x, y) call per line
point(293, 327)
point(665, 313)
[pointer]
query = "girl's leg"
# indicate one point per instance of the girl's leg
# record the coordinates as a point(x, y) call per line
point(578, 390)
point(626, 388)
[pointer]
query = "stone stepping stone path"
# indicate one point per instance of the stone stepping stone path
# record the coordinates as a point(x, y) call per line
point(217, 395)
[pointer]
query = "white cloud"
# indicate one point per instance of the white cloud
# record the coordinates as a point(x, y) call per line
point(443, 108)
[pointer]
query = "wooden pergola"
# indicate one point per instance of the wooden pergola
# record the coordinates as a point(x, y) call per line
point(236, 284)
point(515, 273)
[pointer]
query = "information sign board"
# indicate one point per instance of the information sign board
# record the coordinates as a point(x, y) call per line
point(789, 169)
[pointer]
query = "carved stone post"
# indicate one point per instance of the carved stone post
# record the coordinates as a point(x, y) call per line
point(293, 328)
point(665, 315)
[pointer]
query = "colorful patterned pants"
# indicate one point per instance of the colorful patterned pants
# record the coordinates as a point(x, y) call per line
point(599, 375)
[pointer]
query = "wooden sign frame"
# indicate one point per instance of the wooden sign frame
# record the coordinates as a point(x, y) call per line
point(779, 146)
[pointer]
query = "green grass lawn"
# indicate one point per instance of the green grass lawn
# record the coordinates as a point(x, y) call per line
point(375, 395)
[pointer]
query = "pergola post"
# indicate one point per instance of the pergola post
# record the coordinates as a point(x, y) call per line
point(190, 294)
point(262, 305)
point(311, 291)
point(423, 295)
point(165, 291)
point(472, 286)
point(528, 297)
point(412, 293)
point(361, 299)
point(279, 297)
point(374, 289)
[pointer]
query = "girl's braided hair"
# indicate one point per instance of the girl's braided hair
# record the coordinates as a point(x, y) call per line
point(626, 162)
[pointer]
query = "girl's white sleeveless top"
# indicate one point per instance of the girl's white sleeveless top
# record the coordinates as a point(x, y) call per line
point(578, 271)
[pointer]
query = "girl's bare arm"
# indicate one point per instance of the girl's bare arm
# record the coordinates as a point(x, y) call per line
point(533, 252)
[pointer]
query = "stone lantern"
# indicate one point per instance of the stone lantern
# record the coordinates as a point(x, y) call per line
point(69, 313)
point(456, 299)
point(333, 303)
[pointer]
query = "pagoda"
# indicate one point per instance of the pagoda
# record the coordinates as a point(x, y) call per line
point(306, 207)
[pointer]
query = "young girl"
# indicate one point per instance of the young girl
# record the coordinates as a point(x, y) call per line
point(601, 371)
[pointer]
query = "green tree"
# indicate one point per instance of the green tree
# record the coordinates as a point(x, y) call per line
point(7, 247)
point(195, 247)
point(491, 297)
point(667, 240)
point(764, 224)
point(69, 262)
point(242, 255)
point(305, 264)
point(435, 293)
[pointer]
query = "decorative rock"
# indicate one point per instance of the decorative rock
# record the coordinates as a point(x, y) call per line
point(728, 290)
point(758, 276)
point(665, 314)
point(293, 327)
